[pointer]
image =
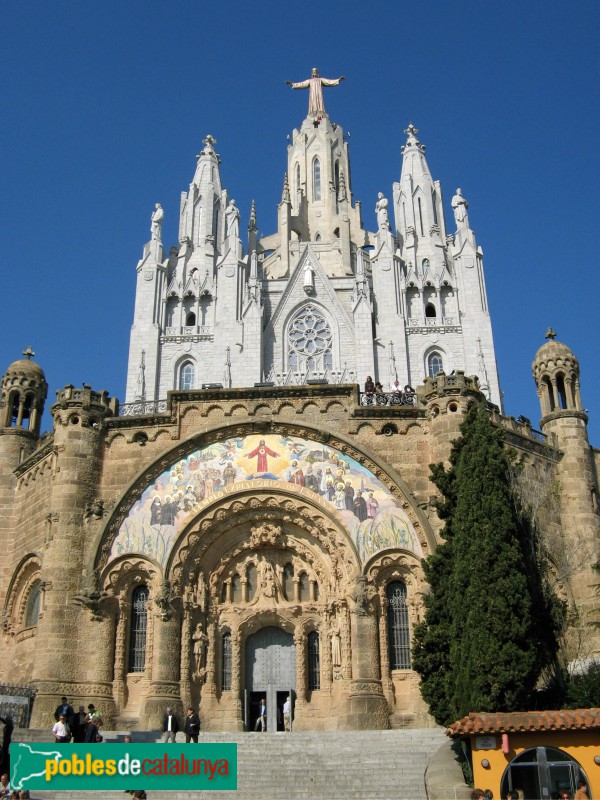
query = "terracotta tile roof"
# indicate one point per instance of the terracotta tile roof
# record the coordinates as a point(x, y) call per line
point(568, 719)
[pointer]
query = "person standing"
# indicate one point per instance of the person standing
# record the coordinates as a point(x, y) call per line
point(287, 714)
point(170, 726)
point(262, 717)
point(61, 731)
point(191, 726)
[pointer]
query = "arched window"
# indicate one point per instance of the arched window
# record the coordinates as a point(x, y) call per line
point(420, 216)
point(138, 629)
point(252, 582)
point(316, 179)
point(549, 392)
point(190, 319)
point(313, 661)
point(430, 310)
point(434, 204)
point(186, 376)
point(562, 394)
point(236, 589)
point(297, 177)
point(32, 609)
point(434, 364)
point(226, 662)
point(288, 582)
point(328, 360)
point(398, 628)
point(541, 772)
point(14, 409)
point(303, 588)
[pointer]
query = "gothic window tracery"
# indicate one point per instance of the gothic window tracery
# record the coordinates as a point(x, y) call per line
point(398, 626)
point(310, 341)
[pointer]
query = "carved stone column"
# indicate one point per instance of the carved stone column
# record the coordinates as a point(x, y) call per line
point(384, 651)
point(236, 702)
point(210, 687)
point(367, 707)
point(120, 649)
point(164, 689)
point(326, 665)
point(300, 642)
point(184, 667)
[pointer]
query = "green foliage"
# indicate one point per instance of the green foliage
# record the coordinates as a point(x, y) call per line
point(488, 630)
point(583, 691)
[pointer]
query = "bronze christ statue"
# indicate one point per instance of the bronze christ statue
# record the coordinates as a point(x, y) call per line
point(315, 86)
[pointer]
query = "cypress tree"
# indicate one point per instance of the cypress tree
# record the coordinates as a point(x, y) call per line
point(485, 608)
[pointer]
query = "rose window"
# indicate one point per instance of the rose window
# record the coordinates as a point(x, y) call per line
point(309, 338)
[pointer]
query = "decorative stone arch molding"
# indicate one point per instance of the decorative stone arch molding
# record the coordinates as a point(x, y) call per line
point(25, 579)
point(289, 519)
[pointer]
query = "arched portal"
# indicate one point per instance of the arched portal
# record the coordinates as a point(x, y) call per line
point(270, 674)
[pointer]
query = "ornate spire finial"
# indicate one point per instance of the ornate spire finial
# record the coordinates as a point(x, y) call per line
point(252, 220)
point(285, 195)
point(550, 335)
point(209, 142)
point(342, 194)
point(411, 130)
point(28, 353)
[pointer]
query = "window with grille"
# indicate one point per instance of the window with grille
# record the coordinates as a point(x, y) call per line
point(226, 662)
point(398, 627)
point(138, 630)
point(313, 661)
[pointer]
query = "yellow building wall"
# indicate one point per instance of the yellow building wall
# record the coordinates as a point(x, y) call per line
point(582, 746)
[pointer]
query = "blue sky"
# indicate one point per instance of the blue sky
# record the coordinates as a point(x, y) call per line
point(105, 106)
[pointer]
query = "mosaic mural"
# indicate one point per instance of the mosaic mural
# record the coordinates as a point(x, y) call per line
point(372, 515)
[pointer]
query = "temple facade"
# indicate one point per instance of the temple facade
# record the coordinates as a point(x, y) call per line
point(250, 524)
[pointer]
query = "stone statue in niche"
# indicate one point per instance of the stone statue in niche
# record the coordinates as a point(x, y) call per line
point(200, 640)
point(268, 588)
point(336, 647)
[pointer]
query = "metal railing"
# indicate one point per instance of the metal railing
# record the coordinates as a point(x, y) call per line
point(388, 399)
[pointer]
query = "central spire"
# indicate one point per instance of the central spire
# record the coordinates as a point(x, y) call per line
point(315, 83)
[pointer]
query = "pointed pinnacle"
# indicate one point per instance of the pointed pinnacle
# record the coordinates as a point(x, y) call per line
point(252, 221)
point(285, 195)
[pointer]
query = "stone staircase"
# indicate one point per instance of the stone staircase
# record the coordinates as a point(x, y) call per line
point(354, 765)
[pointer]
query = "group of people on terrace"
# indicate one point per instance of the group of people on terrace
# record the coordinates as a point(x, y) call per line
point(375, 388)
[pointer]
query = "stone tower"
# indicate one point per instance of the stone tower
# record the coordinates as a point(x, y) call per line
point(321, 298)
point(556, 373)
